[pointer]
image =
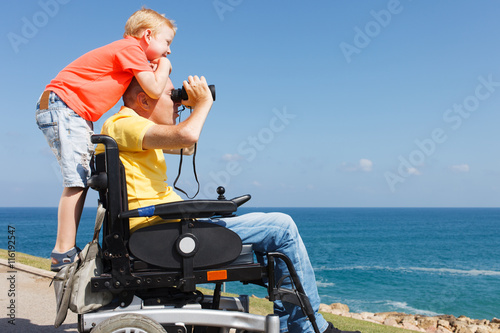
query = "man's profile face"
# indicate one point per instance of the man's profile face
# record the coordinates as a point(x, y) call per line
point(166, 111)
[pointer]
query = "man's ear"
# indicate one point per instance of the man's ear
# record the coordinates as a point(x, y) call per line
point(142, 101)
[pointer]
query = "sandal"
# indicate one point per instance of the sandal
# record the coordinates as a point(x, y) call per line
point(63, 259)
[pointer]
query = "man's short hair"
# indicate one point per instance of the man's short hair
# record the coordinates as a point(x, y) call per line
point(129, 96)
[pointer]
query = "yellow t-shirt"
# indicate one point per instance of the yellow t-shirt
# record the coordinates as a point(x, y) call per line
point(145, 170)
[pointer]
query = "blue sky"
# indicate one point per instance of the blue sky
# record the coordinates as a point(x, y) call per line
point(322, 103)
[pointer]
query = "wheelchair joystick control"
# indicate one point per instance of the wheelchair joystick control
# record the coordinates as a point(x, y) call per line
point(220, 191)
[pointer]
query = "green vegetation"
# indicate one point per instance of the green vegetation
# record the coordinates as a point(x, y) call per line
point(27, 259)
point(258, 306)
point(263, 307)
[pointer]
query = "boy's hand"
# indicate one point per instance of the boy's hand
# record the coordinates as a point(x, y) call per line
point(197, 91)
point(160, 62)
point(154, 82)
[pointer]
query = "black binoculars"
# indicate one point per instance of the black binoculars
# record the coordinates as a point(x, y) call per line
point(181, 94)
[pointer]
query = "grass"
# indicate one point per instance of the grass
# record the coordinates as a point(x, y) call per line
point(27, 259)
point(262, 307)
point(259, 306)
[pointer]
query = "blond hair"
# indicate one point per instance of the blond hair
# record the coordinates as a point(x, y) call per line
point(144, 19)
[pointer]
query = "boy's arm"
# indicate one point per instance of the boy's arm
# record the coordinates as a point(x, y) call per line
point(153, 83)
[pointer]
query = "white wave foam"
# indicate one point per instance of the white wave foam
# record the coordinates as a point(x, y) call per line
point(347, 268)
point(404, 307)
point(324, 284)
point(471, 272)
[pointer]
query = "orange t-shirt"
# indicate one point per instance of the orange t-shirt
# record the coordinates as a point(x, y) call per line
point(95, 82)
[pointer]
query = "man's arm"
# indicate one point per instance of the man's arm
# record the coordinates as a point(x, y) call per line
point(185, 151)
point(153, 83)
point(187, 133)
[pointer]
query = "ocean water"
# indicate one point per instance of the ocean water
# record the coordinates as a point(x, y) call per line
point(415, 260)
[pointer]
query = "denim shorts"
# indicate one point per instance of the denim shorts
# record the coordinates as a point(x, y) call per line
point(68, 135)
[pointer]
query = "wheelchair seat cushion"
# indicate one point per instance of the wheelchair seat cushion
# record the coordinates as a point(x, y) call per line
point(159, 245)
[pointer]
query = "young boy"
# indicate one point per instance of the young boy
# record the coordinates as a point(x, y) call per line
point(81, 93)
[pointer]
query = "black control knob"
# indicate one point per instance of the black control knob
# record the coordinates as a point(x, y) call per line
point(220, 191)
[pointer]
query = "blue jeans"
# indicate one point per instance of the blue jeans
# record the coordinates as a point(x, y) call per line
point(277, 232)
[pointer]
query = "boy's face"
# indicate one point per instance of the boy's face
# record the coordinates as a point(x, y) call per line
point(159, 45)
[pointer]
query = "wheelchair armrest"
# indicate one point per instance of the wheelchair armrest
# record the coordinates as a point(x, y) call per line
point(241, 200)
point(184, 209)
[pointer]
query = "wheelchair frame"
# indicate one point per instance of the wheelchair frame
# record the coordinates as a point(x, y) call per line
point(169, 296)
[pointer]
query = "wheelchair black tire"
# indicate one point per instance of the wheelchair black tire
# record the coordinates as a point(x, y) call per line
point(133, 323)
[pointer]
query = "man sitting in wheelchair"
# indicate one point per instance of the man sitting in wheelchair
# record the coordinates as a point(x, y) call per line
point(145, 128)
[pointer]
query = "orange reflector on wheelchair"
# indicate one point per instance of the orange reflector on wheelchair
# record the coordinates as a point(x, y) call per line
point(216, 275)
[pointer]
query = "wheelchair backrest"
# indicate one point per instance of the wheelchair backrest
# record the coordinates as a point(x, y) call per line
point(108, 178)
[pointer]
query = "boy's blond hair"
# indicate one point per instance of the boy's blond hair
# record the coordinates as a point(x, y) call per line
point(146, 19)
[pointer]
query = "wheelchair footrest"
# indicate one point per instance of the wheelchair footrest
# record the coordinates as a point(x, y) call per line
point(294, 297)
point(297, 296)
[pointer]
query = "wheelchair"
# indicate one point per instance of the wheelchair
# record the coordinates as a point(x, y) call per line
point(153, 272)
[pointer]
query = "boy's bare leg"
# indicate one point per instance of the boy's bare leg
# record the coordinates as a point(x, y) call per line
point(69, 213)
